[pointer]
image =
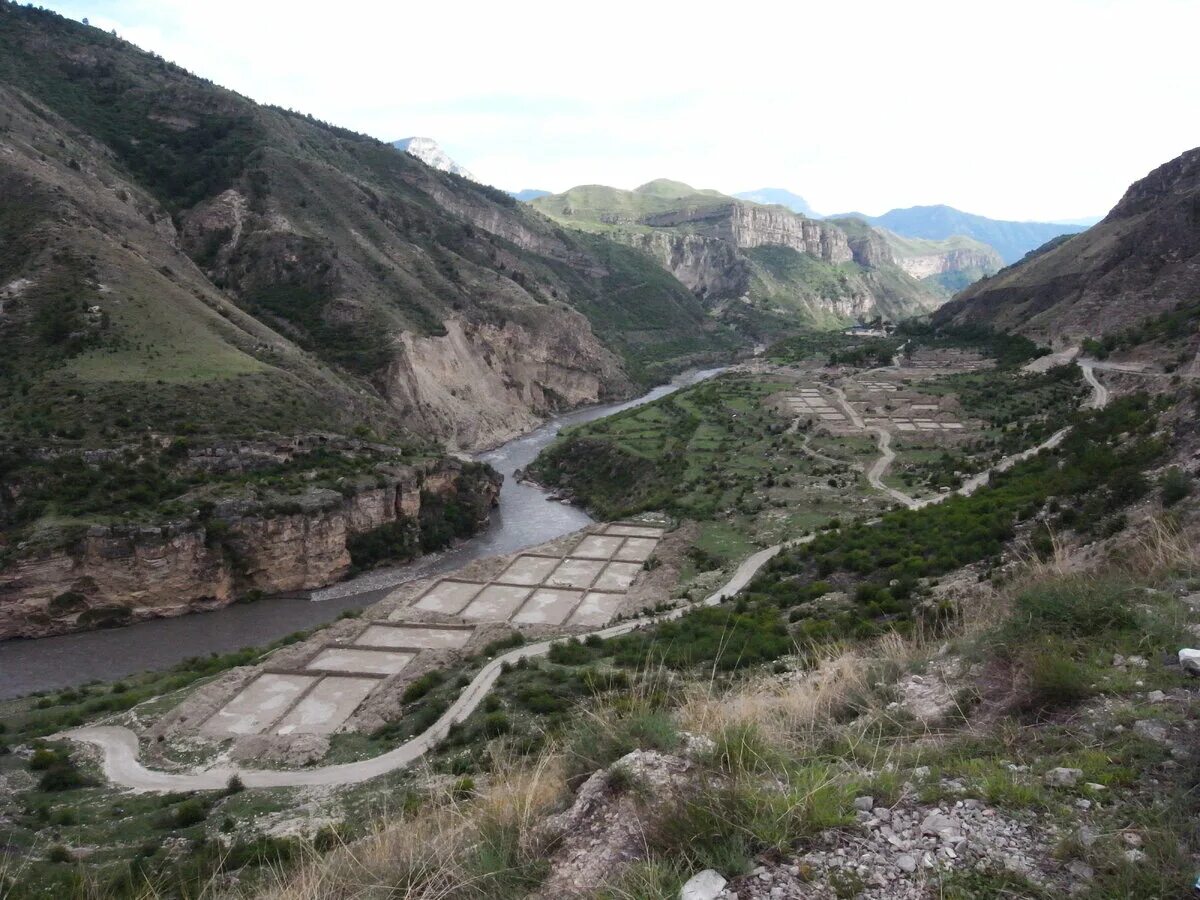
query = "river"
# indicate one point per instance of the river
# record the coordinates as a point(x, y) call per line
point(524, 518)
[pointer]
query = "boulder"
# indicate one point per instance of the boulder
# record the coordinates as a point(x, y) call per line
point(706, 885)
point(1063, 777)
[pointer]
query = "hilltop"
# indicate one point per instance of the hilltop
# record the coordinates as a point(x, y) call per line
point(1140, 260)
point(1012, 240)
point(781, 265)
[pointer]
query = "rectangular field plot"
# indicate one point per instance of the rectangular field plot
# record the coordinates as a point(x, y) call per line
point(448, 596)
point(636, 549)
point(528, 570)
point(596, 546)
point(575, 573)
point(596, 609)
point(326, 706)
point(617, 576)
point(548, 606)
point(352, 659)
point(634, 530)
point(496, 603)
point(258, 705)
point(430, 637)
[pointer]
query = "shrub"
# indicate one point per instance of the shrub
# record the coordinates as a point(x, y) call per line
point(1055, 680)
point(1175, 485)
point(58, 854)
point(1070, 608)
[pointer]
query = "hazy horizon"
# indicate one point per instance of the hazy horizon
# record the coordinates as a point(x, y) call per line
point(1031, 112)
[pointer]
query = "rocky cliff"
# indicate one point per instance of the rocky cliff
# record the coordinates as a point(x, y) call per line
point(116, 574)
point(926, 265)
point(1143, 258)
point(728, 249)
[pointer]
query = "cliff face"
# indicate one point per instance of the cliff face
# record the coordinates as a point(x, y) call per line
point(481, 384)
point(745, 225)
point(927, 265)
point(1140, 260)
point(113, 575)
point(727, 249)
point(709, 267)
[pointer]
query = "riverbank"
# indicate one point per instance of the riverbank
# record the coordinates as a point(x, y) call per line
point(522, 519)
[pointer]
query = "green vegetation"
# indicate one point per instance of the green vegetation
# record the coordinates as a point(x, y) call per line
point(837, 347)
point(1009, 350)
point(702, 452)
point(1173, 327)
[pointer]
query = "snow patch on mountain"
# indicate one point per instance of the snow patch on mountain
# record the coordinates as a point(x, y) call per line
point(427, 151)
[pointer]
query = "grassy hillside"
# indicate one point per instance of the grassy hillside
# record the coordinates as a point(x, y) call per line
point(175, 255)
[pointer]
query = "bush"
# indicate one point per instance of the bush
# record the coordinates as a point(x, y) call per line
point(1055, 680)
point(1175, 485)
point(1070, 608)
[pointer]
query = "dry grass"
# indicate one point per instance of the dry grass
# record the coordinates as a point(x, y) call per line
point(453, 848)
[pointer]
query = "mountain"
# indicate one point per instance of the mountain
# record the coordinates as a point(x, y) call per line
point(528, 194)
point(427, 151)
point(780, 268)
point(228, 330)
point(1142, 259)
point(1012, 240)
point(780, 197)
point(221, 241)
point(946, 266)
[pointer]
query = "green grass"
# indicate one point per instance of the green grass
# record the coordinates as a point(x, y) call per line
point(709, 452)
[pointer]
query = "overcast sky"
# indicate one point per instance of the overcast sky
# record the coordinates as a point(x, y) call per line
point(1018, 109)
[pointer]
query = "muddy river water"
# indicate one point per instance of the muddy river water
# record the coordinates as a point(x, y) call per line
point(524, 518)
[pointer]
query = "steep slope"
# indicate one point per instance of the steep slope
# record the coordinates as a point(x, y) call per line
point(944, 266)
point(780, 197)
point(1142, 259)
point(235, 241)
point(785, 266)
point(236, 342)
point(1012, 240)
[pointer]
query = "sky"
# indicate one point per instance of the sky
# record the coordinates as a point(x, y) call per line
point(1024, 110)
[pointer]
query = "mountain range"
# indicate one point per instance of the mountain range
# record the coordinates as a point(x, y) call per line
point(773, 261)
point(1141, 260)
point(1012, 240)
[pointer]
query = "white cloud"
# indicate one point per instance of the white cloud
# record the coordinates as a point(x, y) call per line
point(1019, 109)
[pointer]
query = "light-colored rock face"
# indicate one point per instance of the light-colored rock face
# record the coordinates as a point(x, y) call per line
point(706, 266)
point(118, 574)
point(745, 225)
point(950, 261)
point(481, 384)
point(427, 151)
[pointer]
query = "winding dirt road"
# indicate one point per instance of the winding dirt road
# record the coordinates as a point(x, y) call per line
point(119, 745)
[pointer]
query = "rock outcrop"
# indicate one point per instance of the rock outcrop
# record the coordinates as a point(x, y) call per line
point(927, 265)
point(821, 273)
point(116, 574)
point(481, 384)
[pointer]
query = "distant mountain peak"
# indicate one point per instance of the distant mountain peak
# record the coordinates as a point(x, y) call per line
point(525, 195)
point(429, 152)
point(780, 197)
point(939, 222)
